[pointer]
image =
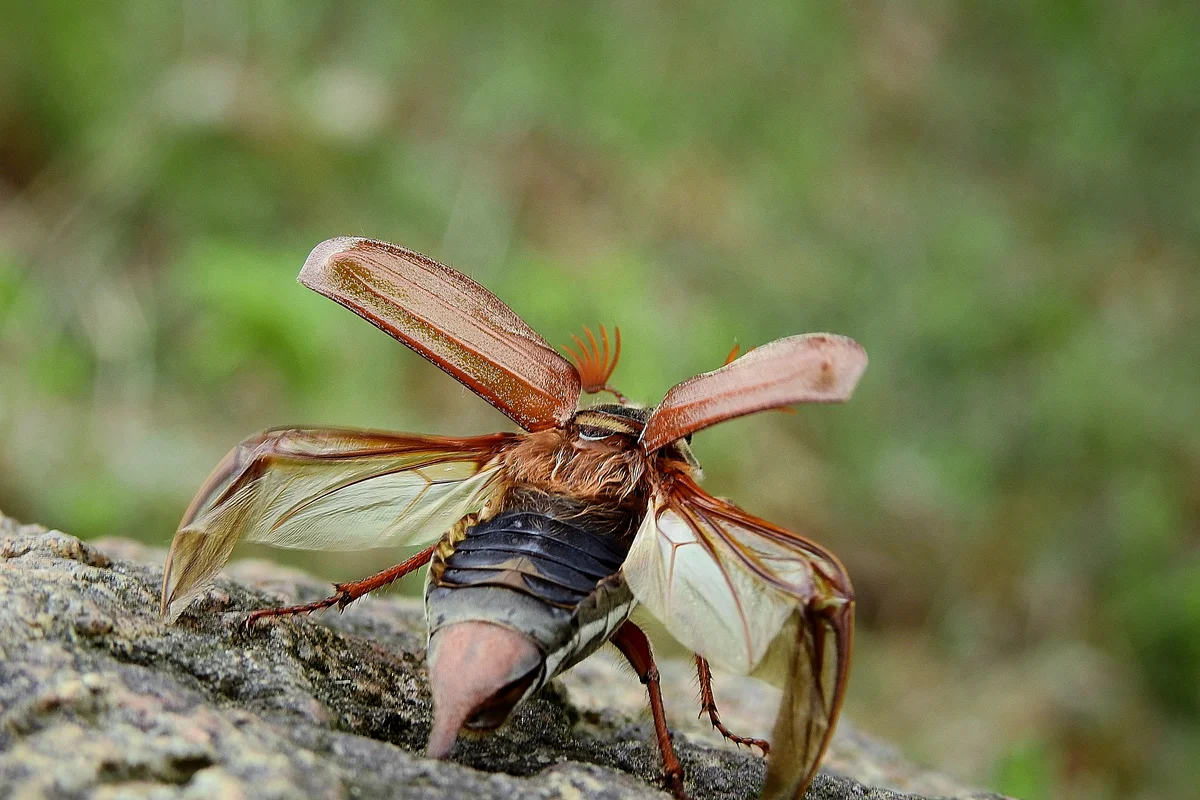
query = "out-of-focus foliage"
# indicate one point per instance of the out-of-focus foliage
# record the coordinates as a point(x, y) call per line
point(1001, 201)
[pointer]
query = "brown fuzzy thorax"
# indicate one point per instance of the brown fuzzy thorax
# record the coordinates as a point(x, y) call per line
point(559, 463)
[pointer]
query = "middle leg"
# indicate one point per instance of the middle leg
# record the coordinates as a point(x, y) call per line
point(708, 705)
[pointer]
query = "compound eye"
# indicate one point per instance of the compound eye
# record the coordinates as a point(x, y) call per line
point(688, 438)
point(592, 433)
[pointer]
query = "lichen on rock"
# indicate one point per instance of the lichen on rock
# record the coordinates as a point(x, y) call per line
point(100, 697)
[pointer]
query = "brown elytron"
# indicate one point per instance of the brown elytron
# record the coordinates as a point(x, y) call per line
point(542, 543)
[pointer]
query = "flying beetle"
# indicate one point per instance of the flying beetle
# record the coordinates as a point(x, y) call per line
point(540, 544)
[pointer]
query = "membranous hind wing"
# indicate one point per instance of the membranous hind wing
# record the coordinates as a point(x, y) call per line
point(453, 322)
point(755, 599)
point(328, 489)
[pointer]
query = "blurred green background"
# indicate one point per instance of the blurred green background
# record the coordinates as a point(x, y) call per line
point(1000, 201)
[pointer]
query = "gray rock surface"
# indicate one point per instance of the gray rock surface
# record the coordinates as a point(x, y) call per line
point(100, 698)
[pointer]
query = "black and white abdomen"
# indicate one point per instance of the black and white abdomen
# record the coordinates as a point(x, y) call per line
point(551, 577)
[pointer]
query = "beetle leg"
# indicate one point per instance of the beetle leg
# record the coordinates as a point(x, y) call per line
point(708, 705)
point(346, 593)
point(630, 640)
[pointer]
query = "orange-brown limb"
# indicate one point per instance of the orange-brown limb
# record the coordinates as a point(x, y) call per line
point(633, 644)
point(346, 593)
point(708, 705)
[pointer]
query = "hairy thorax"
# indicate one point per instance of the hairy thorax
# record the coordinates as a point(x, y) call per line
point(558, 463)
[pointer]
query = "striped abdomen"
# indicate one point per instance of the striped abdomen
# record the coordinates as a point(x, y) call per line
point(553, 579)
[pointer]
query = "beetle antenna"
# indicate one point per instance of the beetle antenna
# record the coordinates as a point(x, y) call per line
point(596, 360)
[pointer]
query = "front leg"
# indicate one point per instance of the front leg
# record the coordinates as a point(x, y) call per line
point(630, 640)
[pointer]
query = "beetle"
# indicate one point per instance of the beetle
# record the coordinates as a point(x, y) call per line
point(541, 543)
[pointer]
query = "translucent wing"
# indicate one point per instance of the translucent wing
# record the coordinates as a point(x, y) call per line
point(810, 368)
point(451, 320)
point(328, 489)
point(754, 599)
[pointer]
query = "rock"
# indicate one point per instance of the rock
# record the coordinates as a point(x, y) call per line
point(99, 697)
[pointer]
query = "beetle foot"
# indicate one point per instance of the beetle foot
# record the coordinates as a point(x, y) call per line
point(672, 781)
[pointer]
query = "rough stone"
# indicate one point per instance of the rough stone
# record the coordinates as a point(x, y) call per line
point(99, 697)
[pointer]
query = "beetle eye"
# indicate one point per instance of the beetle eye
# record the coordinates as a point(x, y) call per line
point(593, 433)
point(688, 438)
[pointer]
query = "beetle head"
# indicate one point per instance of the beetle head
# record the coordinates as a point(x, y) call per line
point(620, 426)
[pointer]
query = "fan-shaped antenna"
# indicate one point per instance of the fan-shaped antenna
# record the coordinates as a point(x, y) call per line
point(596, 361)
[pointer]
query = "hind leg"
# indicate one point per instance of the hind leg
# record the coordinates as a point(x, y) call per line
point(346, 593)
